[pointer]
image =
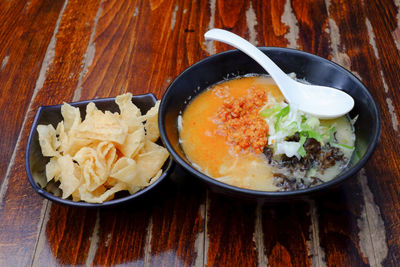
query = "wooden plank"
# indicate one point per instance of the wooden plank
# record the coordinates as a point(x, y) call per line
point(125, 40)
point(122, 234)
point(383, 25)
point(313, 22)
point(137, 57)
point(66, 236)
point(317, 36)
point(270, 29)
point(346, 220)
point(56, 82)
point(286, 230)
point(230, 228)
point(21, 54)
point(339, 213)
point(177, 234)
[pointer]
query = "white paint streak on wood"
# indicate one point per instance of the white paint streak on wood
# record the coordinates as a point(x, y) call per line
point(315, 251)
point(167, 81)
point(173, 19)
point(372, 229)
point(210, 45)
point(372, 38)
point(41, 240)
point(147, 245)
point(202, 210)
point(258, 238)
point(89, 55)
point(392, 112)
point(94, 241)
point(108, 240)
point(289, 19)
point(199, 242)
point(136, 12)
point(372, 42)
point(385, 86)
point(47, 61)
point(337, 55)
point(27, 6)
point(396, 32)
point(206, 240)
point(199, 248)
point(4, 62)
point(251, 21)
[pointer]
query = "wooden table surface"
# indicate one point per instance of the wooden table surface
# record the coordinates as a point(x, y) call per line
point(67, 50)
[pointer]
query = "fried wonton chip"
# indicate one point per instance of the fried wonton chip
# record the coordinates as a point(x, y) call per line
point(124, 170)
point(101, 126)
point(71, 115)
point(105, 153)
point(53, 170)
point(151, 125)
point(133, 143)
point(129, 112)
point(93, 169)
point(69, 175)
point(48, 140)
point(87, 196)
point(150, 161)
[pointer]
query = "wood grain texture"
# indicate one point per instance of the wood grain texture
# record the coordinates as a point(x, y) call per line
point(178, 223)
point(140, 48)
point(286, 229)
point(342, 218)
point(68, 234)
point(53, 85)
point(126, 58)
point(230, 228)
point(24, 41)
point(270, 29)
point(382, 180)
point(338, 215)
point(131, 218)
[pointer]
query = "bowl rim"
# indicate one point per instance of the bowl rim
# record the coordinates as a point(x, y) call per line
point(348, 172)
point(113, 202)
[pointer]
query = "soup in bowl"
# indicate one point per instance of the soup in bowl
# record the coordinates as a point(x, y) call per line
point(249, 156)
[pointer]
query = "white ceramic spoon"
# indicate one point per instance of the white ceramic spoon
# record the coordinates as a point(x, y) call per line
point(320, 101)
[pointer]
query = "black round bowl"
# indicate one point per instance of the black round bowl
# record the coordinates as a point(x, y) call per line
point(312, 68)
point(35, 162)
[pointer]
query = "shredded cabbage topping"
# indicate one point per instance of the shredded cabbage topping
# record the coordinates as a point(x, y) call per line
point(284, 121)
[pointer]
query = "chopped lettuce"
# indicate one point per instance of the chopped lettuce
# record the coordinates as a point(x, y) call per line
point(281, 114)
point(302, 152)
point(286, 122)
point(267, 112)
point(288, 148)
point(343, 145)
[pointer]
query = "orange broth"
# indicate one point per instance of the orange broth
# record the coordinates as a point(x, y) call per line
point(210, 152)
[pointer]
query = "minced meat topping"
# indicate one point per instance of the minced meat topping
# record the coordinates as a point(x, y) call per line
point(238, 119)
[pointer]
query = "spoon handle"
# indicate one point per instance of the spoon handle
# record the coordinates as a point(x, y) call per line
point(280, 78)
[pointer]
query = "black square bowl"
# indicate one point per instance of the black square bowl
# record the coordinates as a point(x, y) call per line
point(35, 162)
